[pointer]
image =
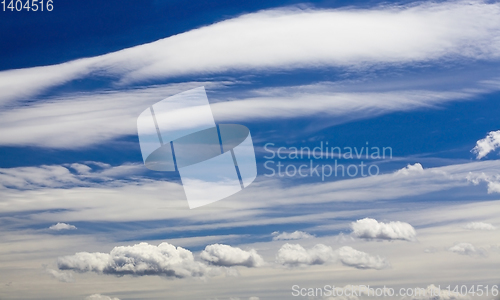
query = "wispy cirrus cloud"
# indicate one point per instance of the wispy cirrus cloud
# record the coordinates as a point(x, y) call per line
point(102, 116)
point(288, 38)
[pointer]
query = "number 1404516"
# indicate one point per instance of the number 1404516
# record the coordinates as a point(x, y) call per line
point(28, 5)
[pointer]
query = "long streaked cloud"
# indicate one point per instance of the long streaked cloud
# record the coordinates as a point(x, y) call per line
point(368, 228)
point(83, 202)
point(69, 175)
point(104, 115)
point(288, 38)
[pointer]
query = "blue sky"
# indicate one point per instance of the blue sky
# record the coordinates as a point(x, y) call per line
point(83, 218)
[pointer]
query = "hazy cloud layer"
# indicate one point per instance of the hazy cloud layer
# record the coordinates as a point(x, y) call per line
point(227, 256)
point(100, 297)
point(296, 235)
point(372, 229)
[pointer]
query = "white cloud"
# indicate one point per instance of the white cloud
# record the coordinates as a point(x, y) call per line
point(61, 276)
point(493, 181)
point(140, 259)
point(62, 226)
point(372, 229)
point(288, 37)
point(361, 260)
point(56, 176)
point(411, 169)
point(479, 226)
point(100, 297)
point(227, 256)
point(291, 38)
point(484, 146)
point(467, 249)
point(84, 203)
point(296, 235)
point(296, 255)
point(103, 115)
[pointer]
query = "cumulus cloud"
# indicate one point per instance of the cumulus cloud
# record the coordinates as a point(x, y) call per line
point(479, 226)
point(467, 249)
point(61, 276)
point(296, 235)
point(411, 169)
point(361, 260)
point(100, 297)
point(296, 255)
point(138, 260)
point(372, 229)
point(484, 146)
point(227, 256)
point(62, 226)
point(493, 181)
